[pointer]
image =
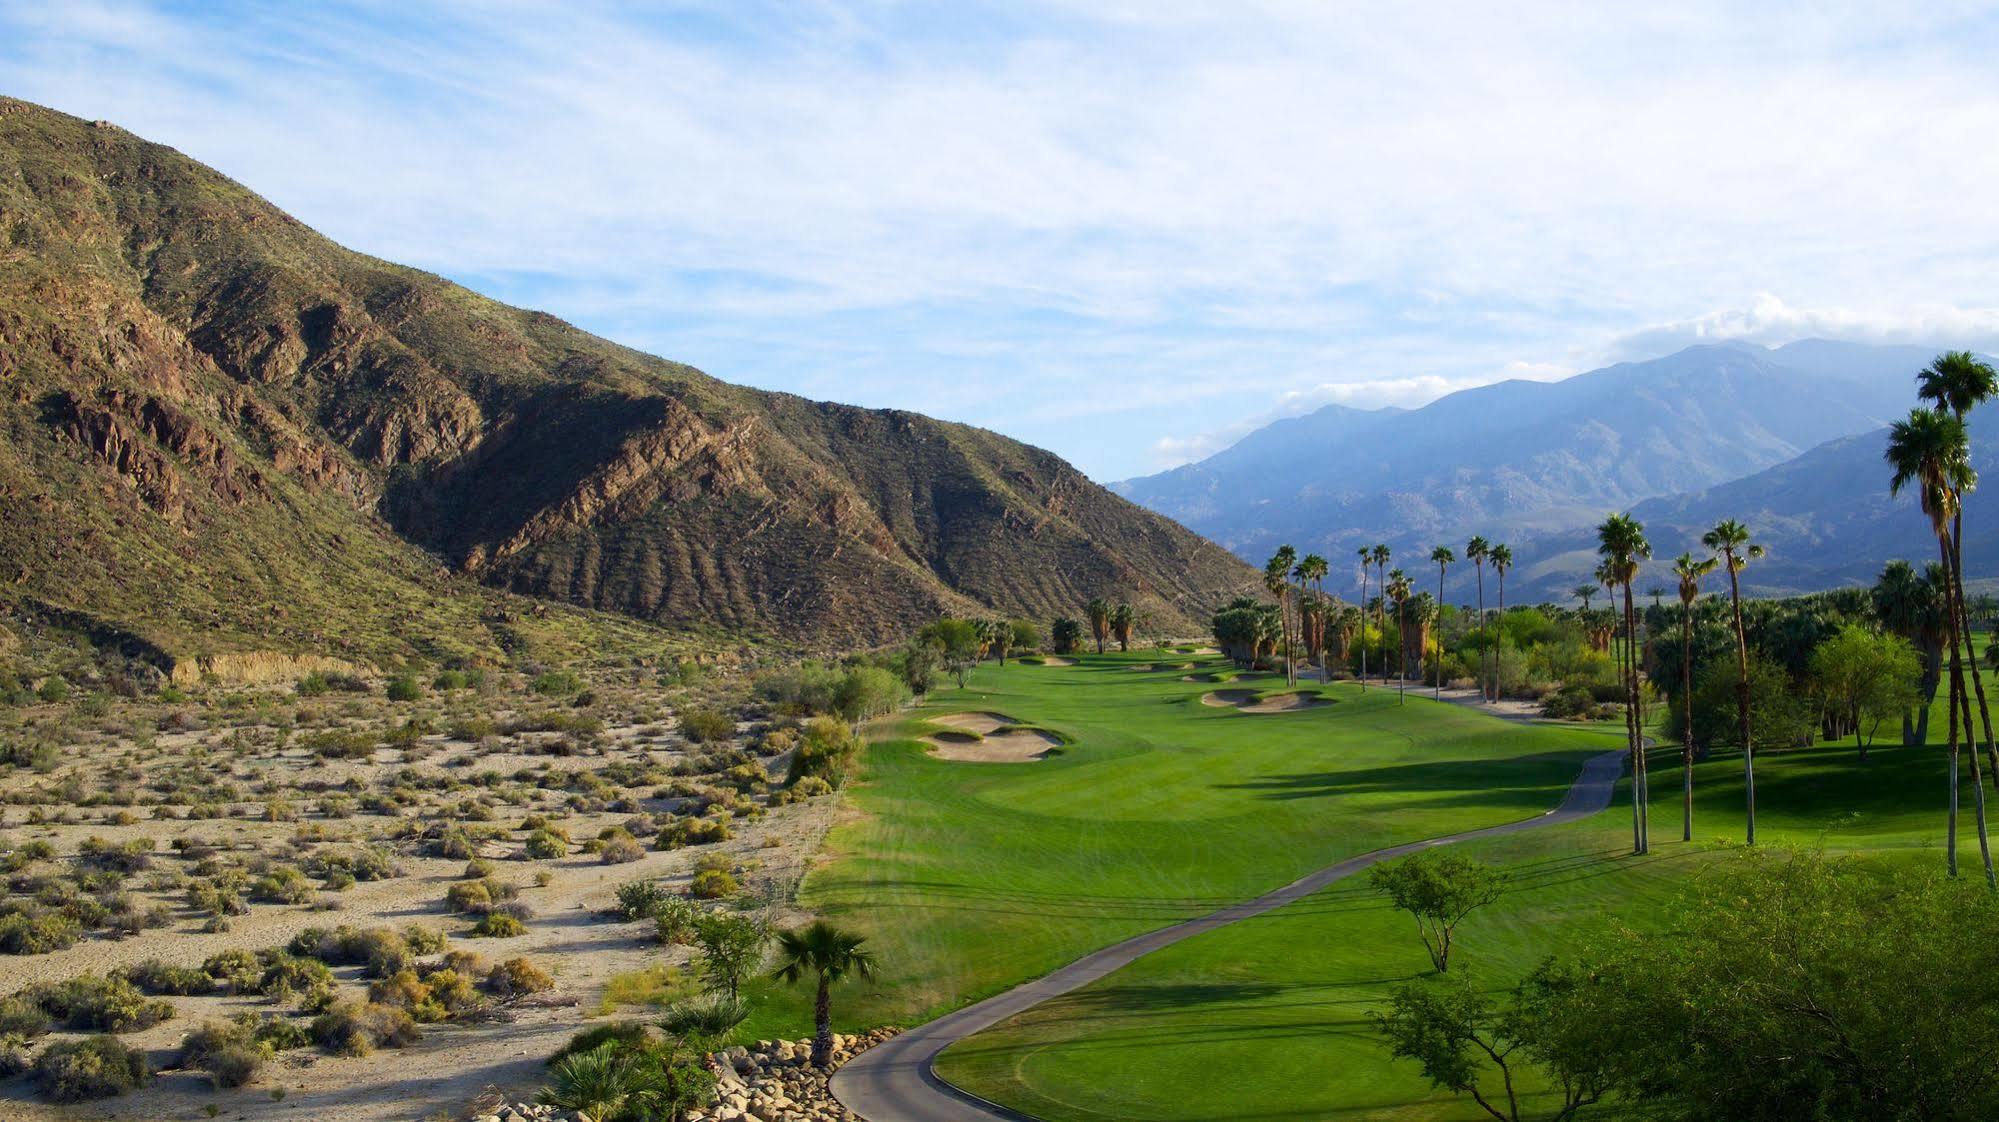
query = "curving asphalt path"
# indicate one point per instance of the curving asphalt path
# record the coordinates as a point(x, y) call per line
point(894, 1081)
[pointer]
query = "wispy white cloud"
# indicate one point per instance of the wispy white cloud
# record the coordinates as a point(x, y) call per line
point(1042, 216)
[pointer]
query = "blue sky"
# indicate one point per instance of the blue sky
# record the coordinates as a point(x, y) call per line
point(1124, 231)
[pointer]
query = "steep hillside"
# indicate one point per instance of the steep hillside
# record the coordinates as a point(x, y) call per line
point(223, 430)
point(1522, 458)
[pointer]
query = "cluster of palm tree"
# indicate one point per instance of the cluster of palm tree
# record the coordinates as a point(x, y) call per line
point(1292, 579)
point(1110, 621)
point(1931, 450)
point(1623, 549)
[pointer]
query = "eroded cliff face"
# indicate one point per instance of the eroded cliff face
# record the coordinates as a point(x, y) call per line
point(196, 384)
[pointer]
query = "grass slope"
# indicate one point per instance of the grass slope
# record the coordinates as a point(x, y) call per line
point(1267, 1018)
point(969, 878)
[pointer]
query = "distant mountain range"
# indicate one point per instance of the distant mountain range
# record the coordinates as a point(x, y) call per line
point(1788, 439)
point(223, 431)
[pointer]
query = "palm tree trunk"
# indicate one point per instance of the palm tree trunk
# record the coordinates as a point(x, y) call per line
point(1971, 651)
point(1381, 582)
point(822, 1020)
point(1634, 736)
point(1482, 636)
point(1440, 633)
point(1960, 635)
point(1498, 648)
point(1401, 644)
point(1363, 627)
point(1687, 732)
point(1742, 696)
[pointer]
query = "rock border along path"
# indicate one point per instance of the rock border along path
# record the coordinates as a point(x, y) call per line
point(896, 1081)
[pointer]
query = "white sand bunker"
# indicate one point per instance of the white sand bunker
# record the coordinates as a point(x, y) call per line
point(1247, 701)
point(1057, 660)
point(989, 738)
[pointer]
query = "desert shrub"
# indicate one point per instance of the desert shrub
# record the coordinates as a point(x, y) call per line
point(228, 1051)
point(517, 977)
point(404, 687)
point(95, 1067)
point(1575, 702)
point(379, 950)
point(92, 1001)
point(714, 884)
point(237, 971)
point(282, 885)
point(828, 750)
point(673, 920)
point(693, 831)
point(285, 976)
point(639, 899)
point(557, 683)
point(712, 1017)
point(477, 868)
point(352, 1028)
point(468, 896)
point(157, 977)
point(451, 991)
point(53, 689)
point(20, 1016)
point(38, 933)
point(620, 848)
point(546, 844)
point(425, 940)
point(704, 725)
point(498, 925)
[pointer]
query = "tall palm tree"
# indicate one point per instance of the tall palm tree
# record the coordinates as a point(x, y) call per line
point(1583, 592)
point(1398, 590)
point(1955, 382)
point(1381, 555)
point(1277, 578)
point(1622, 545)
point(1656, 592)
point(1099, 613)
point(1476, 551)
point(1501, 557)
point(1690, 570)
point(1366, 559)
point(826, 954)
point(1730, 539)
point(1311, 571)
point(1443, 557)
point(1932, 450)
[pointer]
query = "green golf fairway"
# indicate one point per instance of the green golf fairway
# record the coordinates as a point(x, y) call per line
point(1268, 1018)
point(968, 878)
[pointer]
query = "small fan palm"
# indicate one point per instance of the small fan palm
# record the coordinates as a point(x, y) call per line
point(827, 954)
point(595, 1084)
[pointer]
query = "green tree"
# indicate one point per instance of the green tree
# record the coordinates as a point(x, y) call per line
point(1865, 678)
point(1798, 986)
point(1781, 717)
point(1025, 635)
point(1730, 539)
point(1689, 570)
point(1911, 606)
point(731, 949)
point(1065, 635)
point(1439, 889)
point(1462, 1038)
point(827, 955)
